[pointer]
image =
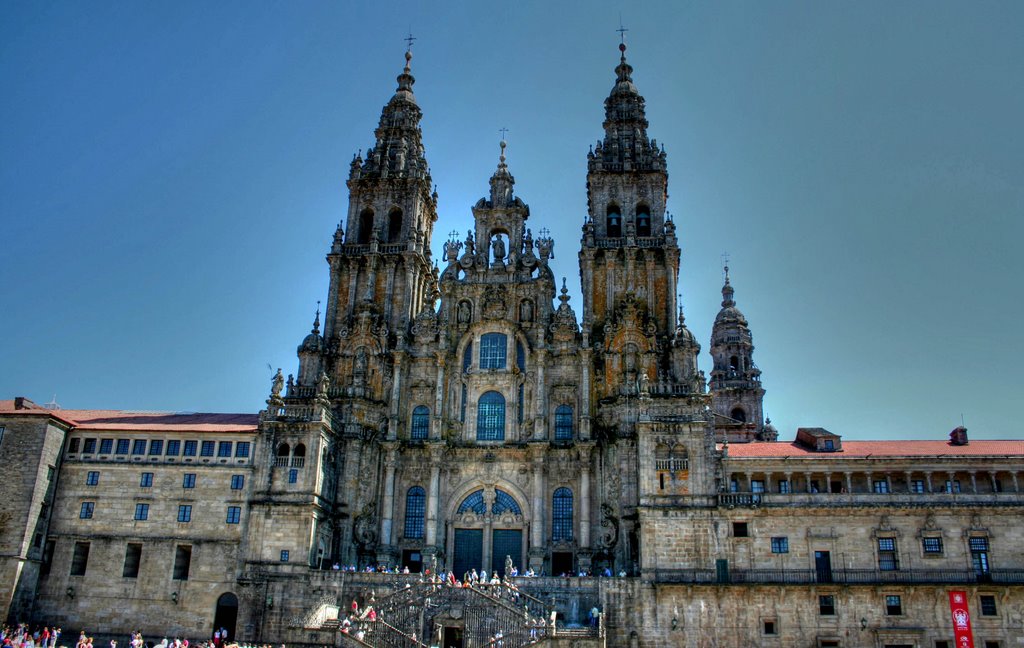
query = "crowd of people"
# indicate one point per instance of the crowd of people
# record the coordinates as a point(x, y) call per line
point(24, 636)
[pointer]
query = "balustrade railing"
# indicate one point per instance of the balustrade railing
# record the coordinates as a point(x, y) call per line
point(838, 576)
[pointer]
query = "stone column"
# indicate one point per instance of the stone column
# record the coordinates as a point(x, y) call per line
point(584, 413)
point(540, 426)
point(974, 482)
point(849, 482)
point(585, 499)
point(388, 509)
point(396, 393)
point(828, 482)
point(928, 481)
point(436, 419)
point(910, 485)
point(807, 482)
point(433, 499)
point(1016, 484)
point(537, 549)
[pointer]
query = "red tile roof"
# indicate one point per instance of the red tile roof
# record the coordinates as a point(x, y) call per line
point(127, 420)
point(864, 449)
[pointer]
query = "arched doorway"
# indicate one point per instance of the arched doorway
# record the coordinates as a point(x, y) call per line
point(226, 614)
point(487, 530)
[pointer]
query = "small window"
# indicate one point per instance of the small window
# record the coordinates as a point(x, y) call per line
point(365, 227)
point(184, 513)
point(224, 449)
point(520, 356)
point(953, 486)
point(917, 486)
point(182, 562)
point(420, 428)
point(827, 605)
point(563, 423)
point(207, 449)
point(887, 558)
point(89, 446)
point(106, 446)
point(234, 514)
point(237, 482)
point(189, 480)
point(991, 644)
point(86, 512)
point(293, 476)
point(190, 449)
point(142, 512)
point(139, 447)
point(132, 559)
point(173, 448)
point(830, 445)
point(92, 478)
point(739, 415)
point(156, 447)
point(780, 545)
point(932, 546)
point(80, 559)
point(881, 486)
point(988, 605)
point(122, 446)
point(893, 605)
point(740, 530)
point(146, 481)
point(242, 449)
point(284, 555)
point(784, 486)
point(770, 627)
point(394, 225)
point(643, 220)
point(613, 222)
point(756, 485)
point(73, 446)
point(941, 644)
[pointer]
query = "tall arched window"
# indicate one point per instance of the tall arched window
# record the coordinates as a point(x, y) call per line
point(643, 220)
point(561, 515)
point(394, 225)
point(563, 422)
point(490, 417)
point(415, 512)
point(493, 350)
point(420, 428)
point(739, 415)
point(613, 222)
point(474, 502)
point(365, 227)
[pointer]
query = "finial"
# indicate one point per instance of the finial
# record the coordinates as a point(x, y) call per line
point(408, 49)
point(622, 37)
point(316, 320)
point(725, 266)
point(501, 158)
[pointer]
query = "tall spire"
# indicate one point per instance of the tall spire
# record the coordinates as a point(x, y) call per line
point(502, 181)
point(727, 291)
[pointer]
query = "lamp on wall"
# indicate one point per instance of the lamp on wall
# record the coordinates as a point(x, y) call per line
point(270, 600)
point(675, 623)
point(174, 597)
point(863, 623)
point(70, 591)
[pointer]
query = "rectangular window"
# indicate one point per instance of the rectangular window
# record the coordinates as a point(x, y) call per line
point(917, 486)
point(156, 447)
point(189, 480)
point(953, 486)
point(887, 558)
point(224, 449)
point(756, 486)
point(293, 476)
point(881, 486)
point(80, 559)
point(182, 562)
point(284, 555)
point(106, 446)
point(173, 448)
point(979, 554)
point(142, 511)
point(242, 449)
point(122, 447)
point(139, 447)
point(988, 605)
point(146, 481)
point(73, 446)
point(234, 514)
point(184, 513)
point(827, 605)
point(132, 559)
point(87, 509)
point(769, 627)
point(941, 644)
point(780, 545)
point(739, 530)
point(932, 546)
point(237, 482)
point(89, 446)
point(493, 350)
point(207, 449)
point(893, 605)
point(190, 449)
point(784, 486)
point(92, 478)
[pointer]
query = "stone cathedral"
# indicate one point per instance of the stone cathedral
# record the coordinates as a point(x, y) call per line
point(460, 414)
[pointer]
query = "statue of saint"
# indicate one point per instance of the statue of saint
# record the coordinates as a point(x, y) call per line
point(498, 248)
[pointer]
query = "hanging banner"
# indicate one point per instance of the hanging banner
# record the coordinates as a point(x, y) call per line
point(961, 620)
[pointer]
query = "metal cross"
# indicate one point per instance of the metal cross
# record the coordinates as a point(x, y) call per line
point(725, 263)
point(502, 131)
point(409, 39)
point(622, 31)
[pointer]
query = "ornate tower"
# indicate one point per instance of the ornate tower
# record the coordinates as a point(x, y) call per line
point(736, 390)
point(629, 261)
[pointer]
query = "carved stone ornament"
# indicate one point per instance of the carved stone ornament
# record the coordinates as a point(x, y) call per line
point(495, 305)
point(424, 328)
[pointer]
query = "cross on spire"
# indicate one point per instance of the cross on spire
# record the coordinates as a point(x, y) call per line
point(502, 130)
point(409, 40)
point(725, 264)
point(622, 31)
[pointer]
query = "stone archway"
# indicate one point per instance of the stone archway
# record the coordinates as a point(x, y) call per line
point(225, 615)
point(487, 527)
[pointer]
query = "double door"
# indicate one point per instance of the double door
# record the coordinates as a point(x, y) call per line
point(470, 552)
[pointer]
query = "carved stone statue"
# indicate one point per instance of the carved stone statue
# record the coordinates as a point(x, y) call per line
point(277, 385)
point(498, 249)
point(464, 313)
point(526, 311)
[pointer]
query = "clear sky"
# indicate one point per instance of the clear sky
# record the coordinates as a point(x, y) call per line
point(172, 174)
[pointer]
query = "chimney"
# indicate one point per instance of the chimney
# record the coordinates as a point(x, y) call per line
point(958, 437)
point(19, 402)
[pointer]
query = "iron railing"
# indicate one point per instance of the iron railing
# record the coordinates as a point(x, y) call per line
point(838, 576)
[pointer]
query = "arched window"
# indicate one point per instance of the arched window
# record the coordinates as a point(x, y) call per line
point(563, 422)
point(504, 502)
point(415, 512)
point(420, 428)
point(739, 414)
point(490, 417)
point(561, 515)
point(283, 450)
point(613, 223)
point(365, 227)
point(520, 356)
point(473, 502)
point(467, 358)
point(300, 451)
point(734, 363)
point(493, 350)
point(394, 225)
point(299, 456)
point(643, 220)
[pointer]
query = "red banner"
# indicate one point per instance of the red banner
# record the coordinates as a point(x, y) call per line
point(961, 619)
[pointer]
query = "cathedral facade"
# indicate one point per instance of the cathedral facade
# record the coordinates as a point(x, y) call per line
point(460, 414)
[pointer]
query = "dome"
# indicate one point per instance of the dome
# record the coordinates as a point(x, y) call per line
point(314, 343)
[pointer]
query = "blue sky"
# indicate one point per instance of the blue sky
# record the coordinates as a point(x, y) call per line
point(172, 174)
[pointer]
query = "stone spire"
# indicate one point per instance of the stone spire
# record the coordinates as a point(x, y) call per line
point(625, 146)
point(502, 181)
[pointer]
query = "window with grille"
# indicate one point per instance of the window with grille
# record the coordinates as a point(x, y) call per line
point(173, 448)
point(73, 446)
point(237, 482)
point(740, 530)
point(293, 476)
point(242, 449)
point(234, 515)
point(122, 446)
point(881, 486)
point(92, 478)
point(493, 350)
point(156, 447)
point(86, 511)
point(415, 512)
point(189, 480)
point(988, 605)
point(827, 605)
point(207, 449)
point(142, 512)
point(106, 446)
point(89, 446)
point(473, 502)
point(462, 406)
point(184, 513)
point(467, 358)
point(490, 417)
point(520, 356)
point(917, 486)
point(132, 559)
point(784, 486)
point(780, 545)
point(285, 555)
point(182, 562)
point(887, 558)
point(146, 481)
point(504, 502)
point(139, 447)
point(190, 449)
point(80, 559)
point(979, 554)
point(563, 422)
point(561, 515)
point(893, 605)
point(932, 546)
point(420, 428)
point(224, 449)
point(756, 485)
